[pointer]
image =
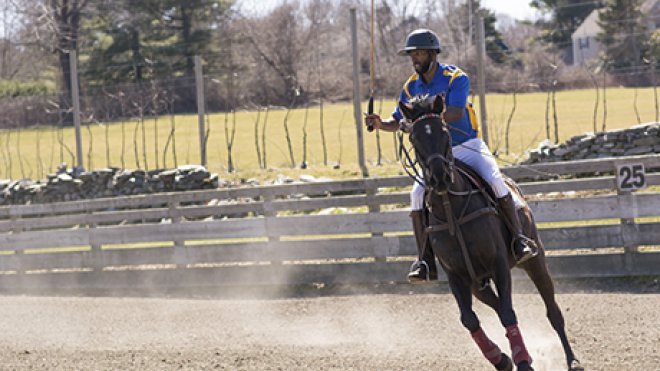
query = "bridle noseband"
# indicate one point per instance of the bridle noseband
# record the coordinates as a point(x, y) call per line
point(430, 115)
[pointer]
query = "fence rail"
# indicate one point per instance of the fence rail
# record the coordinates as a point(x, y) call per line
point(299, 233)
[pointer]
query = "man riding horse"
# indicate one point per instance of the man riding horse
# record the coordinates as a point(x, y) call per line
point(433, 78)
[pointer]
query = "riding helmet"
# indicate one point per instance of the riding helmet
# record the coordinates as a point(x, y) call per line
point(421, 39)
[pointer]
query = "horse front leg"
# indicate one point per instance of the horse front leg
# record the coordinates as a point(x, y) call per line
point(461, 291)
point(487, 296)
point(507, 315)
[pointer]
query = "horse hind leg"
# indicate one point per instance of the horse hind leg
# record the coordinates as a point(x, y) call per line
point(461, 291)
point(538, 272)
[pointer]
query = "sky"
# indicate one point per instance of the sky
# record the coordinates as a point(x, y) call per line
point(517, 9)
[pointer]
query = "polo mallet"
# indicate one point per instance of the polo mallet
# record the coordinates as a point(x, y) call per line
point(372, 82)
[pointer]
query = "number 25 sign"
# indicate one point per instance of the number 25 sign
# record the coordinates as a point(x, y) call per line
point(630, 176)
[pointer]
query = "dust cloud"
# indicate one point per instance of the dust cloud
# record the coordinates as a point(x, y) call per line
point(403, 331)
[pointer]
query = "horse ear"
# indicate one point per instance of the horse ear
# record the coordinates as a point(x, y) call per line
point(406, 109)
point(438, 104)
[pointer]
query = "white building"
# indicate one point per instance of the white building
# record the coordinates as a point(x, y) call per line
point(585, 46)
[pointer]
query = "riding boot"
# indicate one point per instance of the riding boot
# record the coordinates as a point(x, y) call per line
point(523, 247)
point(424, 269)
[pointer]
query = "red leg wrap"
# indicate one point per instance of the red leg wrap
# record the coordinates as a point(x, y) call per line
point(489, 349)
point(518, 349)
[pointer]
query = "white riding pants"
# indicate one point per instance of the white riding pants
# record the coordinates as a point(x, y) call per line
point(476, 154)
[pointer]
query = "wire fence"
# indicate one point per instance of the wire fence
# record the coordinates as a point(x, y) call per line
point(253, 122)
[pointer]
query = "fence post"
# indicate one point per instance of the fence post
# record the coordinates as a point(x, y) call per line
point(15, 229)
point(272, 233)
point(371, 189)
point(481, 76)
point(201, 100)
point(357, 109)
point(179, 254)
point(73, 64)
point(96, 254)
point(629, 229)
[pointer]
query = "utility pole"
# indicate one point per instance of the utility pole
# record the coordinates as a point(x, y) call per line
point(481, 76)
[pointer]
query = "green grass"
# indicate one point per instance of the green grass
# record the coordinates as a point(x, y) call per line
point(40, 153)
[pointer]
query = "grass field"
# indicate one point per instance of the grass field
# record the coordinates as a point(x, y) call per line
point(32, 153)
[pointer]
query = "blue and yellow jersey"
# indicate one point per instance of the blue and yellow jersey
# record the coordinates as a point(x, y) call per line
point(454, 86)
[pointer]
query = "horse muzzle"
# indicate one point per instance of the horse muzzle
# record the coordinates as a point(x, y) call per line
point(439, 172)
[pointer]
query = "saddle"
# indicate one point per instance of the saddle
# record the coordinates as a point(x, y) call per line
point(481, 184)
point(476, 180)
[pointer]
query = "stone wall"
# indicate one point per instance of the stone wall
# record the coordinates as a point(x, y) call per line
point(69, 185)
point(638, 140)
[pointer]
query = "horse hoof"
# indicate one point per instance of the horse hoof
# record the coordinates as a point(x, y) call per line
point(524, 366)
point(505, 364)
point(575, 366)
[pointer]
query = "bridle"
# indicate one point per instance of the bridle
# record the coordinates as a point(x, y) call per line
point(448, 163)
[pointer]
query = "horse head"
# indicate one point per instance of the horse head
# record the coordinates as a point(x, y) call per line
point(430, 138)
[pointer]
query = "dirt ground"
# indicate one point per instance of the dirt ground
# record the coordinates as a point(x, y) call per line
point(612, 325)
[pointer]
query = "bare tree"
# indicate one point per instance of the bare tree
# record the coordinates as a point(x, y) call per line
point(554, 110)
point(281, 39)
point(547, 115)
point(639, 120)
point(604, 70)
point(263, 138)
point(9, 161)
point(339, 155)
point(594, 81)
point(508, 121)
point(90, 142)
point(18, 151)
point(56, 27)
point(303, 164)
point(229, 138)
point(287, 135)
point(321, 126)
point(256, 137)
point(154, 112)
point(136, 151)
point(168, 100)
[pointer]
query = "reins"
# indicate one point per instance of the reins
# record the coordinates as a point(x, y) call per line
point(452, 223)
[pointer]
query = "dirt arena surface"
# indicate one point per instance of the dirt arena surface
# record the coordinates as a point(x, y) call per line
point(613, 325)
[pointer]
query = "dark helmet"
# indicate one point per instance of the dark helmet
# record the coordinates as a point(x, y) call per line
point(421, 39)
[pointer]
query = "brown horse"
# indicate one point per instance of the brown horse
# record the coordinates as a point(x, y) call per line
point(472, 241)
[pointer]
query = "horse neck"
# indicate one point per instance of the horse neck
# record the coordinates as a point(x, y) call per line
point(454, 193)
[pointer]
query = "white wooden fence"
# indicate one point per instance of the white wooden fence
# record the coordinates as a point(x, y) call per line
point(285, 235)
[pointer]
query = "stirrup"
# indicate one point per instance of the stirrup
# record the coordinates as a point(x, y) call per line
point(529, 243)
point(415, 270)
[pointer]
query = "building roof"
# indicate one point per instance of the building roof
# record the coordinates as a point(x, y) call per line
point(650, 7)
point(589, 27)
